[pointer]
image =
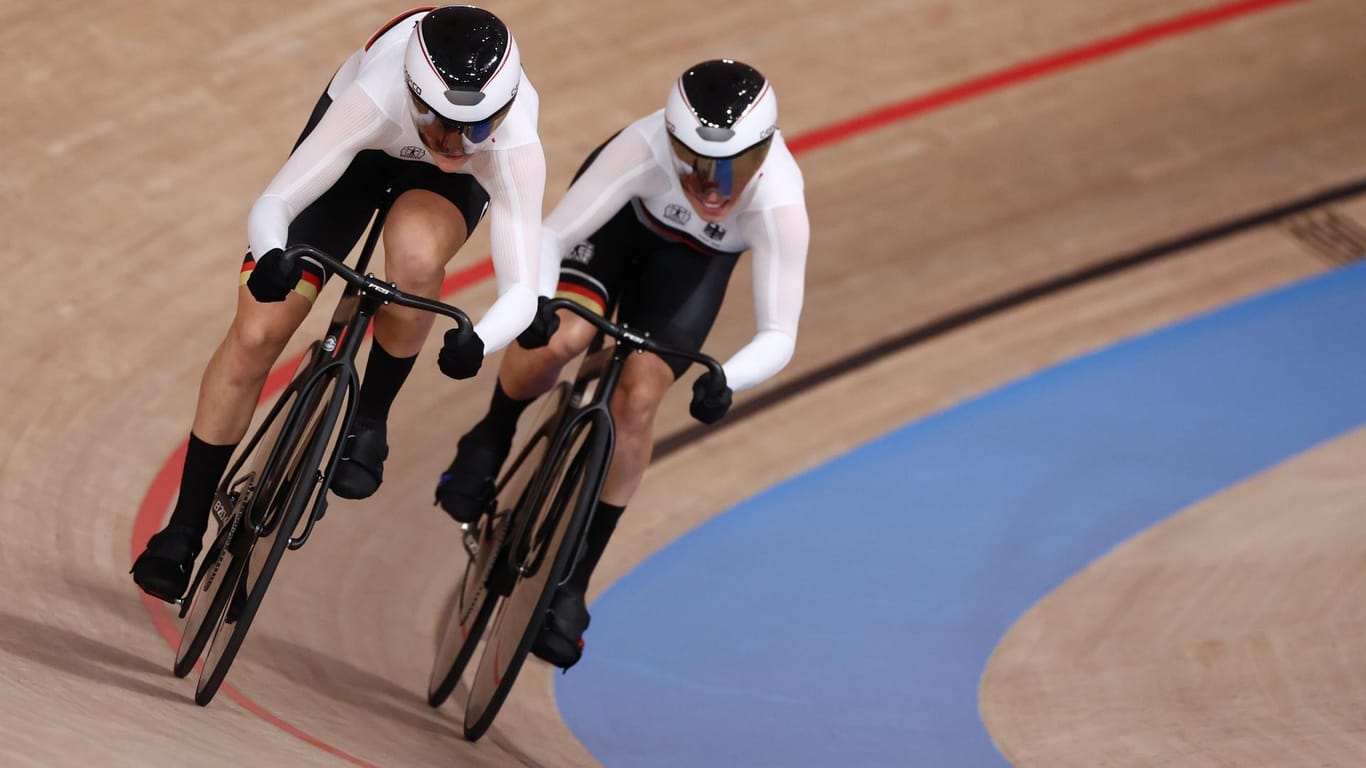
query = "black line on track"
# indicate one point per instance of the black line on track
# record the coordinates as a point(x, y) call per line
point(959, 319)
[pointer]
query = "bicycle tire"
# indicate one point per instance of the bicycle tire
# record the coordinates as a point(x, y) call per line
point(296, 486)
point(207, 599)
point(474, 601)
point(453, 656)
point(477, 595)
point(521, 615)
point(202, 616)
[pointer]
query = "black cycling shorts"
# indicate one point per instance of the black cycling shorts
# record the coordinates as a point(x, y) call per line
point(672, 290)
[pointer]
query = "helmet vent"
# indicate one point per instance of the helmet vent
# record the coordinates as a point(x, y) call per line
point(464, 98)
point(711, 133)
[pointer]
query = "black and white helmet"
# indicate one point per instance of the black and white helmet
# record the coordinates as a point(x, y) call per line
point(462, 67)
point(721, 115)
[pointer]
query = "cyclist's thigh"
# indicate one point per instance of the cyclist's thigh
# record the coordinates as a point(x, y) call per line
point(421, 234)
point(461, 189)
point(675, 293)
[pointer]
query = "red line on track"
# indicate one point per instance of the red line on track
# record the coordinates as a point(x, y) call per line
point(1030, 70)
point(164, 486)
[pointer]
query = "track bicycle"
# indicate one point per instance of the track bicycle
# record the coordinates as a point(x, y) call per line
point(279, 482)
point(529, 538)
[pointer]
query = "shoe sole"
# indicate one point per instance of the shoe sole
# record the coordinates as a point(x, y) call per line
point(161, 590)
point(455, 502)
point(343, 486)
point(554, 648)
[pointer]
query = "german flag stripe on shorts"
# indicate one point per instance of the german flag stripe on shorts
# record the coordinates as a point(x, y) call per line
point(586, 297)
point(309, 283)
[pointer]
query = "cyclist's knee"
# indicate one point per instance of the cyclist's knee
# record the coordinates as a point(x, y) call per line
point(423, 231)
point(571, 339)
point(256, 338)
point(642, 388)
point(568, 342)
point(527, 373)
point(414, 264)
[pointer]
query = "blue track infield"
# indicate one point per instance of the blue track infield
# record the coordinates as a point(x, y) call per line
point(844, 617)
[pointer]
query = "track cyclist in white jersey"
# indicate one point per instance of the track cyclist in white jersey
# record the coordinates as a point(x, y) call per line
point(436, 114)
point(650, 229)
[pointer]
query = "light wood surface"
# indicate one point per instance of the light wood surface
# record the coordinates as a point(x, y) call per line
point(136, 137)
point(1170, 651)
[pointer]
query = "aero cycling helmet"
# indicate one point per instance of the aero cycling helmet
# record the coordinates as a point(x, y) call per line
point(720, 115)
point(462, 68)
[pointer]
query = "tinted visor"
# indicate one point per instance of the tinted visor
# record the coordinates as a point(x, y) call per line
point(448, 137)
point(725, 175)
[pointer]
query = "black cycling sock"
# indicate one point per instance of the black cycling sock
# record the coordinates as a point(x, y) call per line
point(384, 377)
point(501, 421)
point(604, 522)
point(204, 466)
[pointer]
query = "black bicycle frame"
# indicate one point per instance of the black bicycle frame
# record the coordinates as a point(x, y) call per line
point(334, 358)
point(603, 364)
point(318, 353)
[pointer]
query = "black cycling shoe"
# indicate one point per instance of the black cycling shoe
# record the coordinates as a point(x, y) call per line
point(561, 640)
point(163, 569)
point(361, 468)
point(466, 486)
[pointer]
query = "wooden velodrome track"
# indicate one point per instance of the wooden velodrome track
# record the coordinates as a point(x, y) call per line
point(136, 136)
